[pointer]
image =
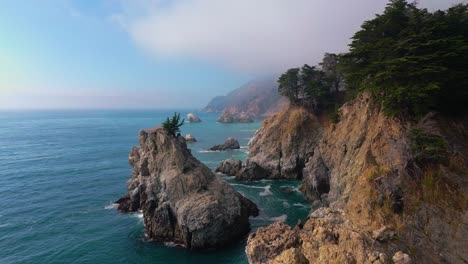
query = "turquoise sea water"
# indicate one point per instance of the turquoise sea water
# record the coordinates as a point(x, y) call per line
point(60, 171)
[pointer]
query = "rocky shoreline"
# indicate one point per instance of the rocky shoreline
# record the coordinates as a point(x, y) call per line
point(371, 192)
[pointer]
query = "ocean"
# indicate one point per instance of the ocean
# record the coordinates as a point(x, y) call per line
point(62, 170)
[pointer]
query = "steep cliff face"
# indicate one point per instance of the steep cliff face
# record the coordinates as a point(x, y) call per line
point(392, 191)
point(254, 99)
point(285, 142)
point(181, 199)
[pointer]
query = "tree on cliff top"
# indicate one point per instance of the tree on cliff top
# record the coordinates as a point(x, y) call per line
point(412, 60)
point(172, 125)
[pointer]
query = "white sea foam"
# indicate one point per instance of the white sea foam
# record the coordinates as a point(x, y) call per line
point(286, 204)
point(248, 186)
point(266, 191)
point(111, 206)
point(280, 218)
point(172, 244)
point(208, 151)
point(299, 205)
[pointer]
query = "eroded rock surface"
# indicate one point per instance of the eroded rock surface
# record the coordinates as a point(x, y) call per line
point(229, 143)
point(229, 166)
point(285, 142)
point(181, 199)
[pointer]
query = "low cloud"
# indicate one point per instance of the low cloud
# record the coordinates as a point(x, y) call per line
point(261, 36)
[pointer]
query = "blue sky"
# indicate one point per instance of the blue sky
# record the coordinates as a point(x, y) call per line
point(53, 52)
point(162, 53)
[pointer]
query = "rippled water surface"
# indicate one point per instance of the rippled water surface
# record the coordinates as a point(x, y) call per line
point(61, 170)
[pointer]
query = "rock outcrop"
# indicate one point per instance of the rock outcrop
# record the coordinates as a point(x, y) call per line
point(192, 118)
point(284, 143)
point(181, 199)
point(229, 166)
point(256, 99)
point(229, 143)
point(383, 201)
point(233, 115)
point(190, 138)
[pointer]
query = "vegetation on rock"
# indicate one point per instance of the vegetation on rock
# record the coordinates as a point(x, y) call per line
point(413, 60)
point(172, 125)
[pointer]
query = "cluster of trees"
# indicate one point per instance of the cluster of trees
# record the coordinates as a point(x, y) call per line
point(413, 60)
point(312, 86)
point(172, 125)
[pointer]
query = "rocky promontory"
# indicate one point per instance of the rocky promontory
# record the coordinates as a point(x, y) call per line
point(285, 142)
point(233, 115)
point(384, 190)
point(257, 98)
point(181, 199)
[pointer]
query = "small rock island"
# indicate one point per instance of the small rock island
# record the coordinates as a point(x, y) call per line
point(229, 143)
point(192, 118)
point(182, 200)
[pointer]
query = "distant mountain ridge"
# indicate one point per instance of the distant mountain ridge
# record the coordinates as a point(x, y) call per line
point(256, 98)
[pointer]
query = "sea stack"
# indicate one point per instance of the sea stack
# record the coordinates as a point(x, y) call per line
point(192, 118)
point(229, 143)
point(182, 200)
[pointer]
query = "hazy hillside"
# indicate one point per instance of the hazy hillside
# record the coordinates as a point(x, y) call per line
point(257, 97)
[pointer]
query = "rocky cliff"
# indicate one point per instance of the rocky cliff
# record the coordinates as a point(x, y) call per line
point(391, 190)
point(181, 199)
point(285, 142)
point(254, 99)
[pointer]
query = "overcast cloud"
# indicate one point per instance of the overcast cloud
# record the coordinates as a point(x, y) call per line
point(258, 36)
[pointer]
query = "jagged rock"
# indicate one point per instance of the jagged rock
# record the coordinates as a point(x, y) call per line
point(290, 256)
point(181, 199)
point(285, 142)
point(229, 166)
point(192, 118)
point(269, 242)
point(251, 171)
point(232, 115)
point(230, 143)
point(316, 178)
point(190, 138)
point(401, 258)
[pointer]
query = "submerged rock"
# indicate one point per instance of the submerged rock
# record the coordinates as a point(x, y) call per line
point(230, 143)
point(192, 118)
point(190, 138)
point(181, 199)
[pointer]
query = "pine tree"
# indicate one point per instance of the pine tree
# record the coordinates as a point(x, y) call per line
point(172, 125)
